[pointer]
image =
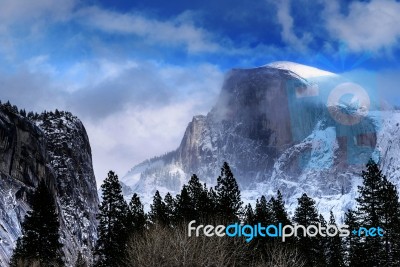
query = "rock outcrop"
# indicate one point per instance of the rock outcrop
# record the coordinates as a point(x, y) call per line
point(54, 147)
point(276, 131)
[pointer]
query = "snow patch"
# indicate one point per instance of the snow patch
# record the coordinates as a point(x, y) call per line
point(303, 71)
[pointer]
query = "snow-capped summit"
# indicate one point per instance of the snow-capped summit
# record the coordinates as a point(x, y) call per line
point(303, 71)
point(276, 137)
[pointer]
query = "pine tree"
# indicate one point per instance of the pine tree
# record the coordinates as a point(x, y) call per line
point(228, 196)
point(158, 211)
point(278, 209)
point(40, 240)
point(390, 221)
point(263, 211)
point(113, 224)
point(205, 206)
point(377, 206)
point(137, 218)
point(213, 196)
point(306, 214)
point(369, 212)
point(249, 217)
point(212, 213)
point(334, 255)
point(352, 244)
point(195, 190)
point(368, 201)
point(263, 215)
point(22, 112)
point(185, 209)
point(199, 196)
point(170, 208)
point(280, 215)
point(323, 240)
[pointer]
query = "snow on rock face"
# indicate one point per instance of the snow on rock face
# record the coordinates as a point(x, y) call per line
point(53, 147)
point(238, 130)
point(22, 165)
point(388, 147)
point(275, 137)
point(69, 156)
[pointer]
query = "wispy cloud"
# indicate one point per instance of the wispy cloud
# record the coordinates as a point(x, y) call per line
point(177, 31)
point(370, 26)
point(18, 11)
point(26, 22)
point(144, 111)
point(287, 33)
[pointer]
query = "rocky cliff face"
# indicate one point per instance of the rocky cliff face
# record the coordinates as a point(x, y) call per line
point(249, 127)
point(240, 128)
point(276, 131)
point(55, 147)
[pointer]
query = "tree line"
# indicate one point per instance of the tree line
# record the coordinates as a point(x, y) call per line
point(33, 116)
point(128, 236)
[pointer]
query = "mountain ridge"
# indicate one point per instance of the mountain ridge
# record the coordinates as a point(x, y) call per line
point(265, 124)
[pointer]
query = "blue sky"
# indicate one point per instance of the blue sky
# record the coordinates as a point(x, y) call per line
point(136, 72)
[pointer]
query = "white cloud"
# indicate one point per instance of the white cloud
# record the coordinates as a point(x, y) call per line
point(25, 10)
point(92, 73)
point(132, 110)
point(178, 31)
point(24, 22)
point(144, 127)
point(369, 26)
point(126, 138)
point(286, 21)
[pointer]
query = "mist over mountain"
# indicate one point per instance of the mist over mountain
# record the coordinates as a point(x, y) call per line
point(282, 126)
